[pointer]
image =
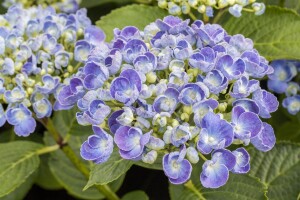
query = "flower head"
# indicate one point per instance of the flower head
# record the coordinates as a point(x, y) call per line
point(37, 58)
point(170, 86)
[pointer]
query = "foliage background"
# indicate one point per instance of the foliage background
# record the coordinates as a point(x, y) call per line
point(274, 175)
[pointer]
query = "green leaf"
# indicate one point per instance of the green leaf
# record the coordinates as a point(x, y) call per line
point(135, 195)
point(8, 135)
point(289, 131)
point(279, 170)
point(45, 178)
point(22, 190)
point(18, 161)
point(70, 177)
point(275, 33)
point(109, 171)
point(132, 15)
point(95, 3)
point(292, 4)
point(66, 123)
point(238, 187)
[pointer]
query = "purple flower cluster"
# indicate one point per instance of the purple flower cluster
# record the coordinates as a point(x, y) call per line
point(65, 6)
point(284, 81)
point(39, 50)
point(179, 90)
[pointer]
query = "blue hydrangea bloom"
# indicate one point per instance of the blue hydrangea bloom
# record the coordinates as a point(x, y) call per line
point(98, 147)
point(39, 47)
point(284, 72)
point(246, 125)
point(215, 172)
point(266, 101)
point(166, 102)
point(21, 118)
point(292, 104)
point(242, 165)
point(131, 141)
point(176, 168)
point(265, 140)
point(216, 133)
point(126, 88)
point(172, 86)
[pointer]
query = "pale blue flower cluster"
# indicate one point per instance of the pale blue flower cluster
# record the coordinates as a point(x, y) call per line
point(39, 49)
point(174, 89)
point(207, 7)
point(65, 6)
point(285, 80)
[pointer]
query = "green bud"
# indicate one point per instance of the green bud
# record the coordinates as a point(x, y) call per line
point(29, 90)
point(192, 155)
point(185, 117)
point(224, 91)
point(18, 66)
point(80, 32)
point(201, 9)
point(43, 72)
point(211, 2)
point(162, 4)
point(222, 107)
point(231, 2)
point(151, 77)
point(188, 109)
point(149, 157)
point(223, 3)
point(213, 96)
point(30, 82)
point(50, 70)
point(70, 68)
point(66, 75)
point(193, 3)
point(175, 123)
point(185, 7)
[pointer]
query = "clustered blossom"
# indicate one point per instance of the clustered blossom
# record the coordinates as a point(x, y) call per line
point(39, 49)
point(65, 6)
point(178, 7)
point(285, 80)
point(178, 90)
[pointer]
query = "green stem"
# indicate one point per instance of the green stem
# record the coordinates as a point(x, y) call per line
point(192, 16)
point(192, 187)
point(104, 189)
point(248, 10)
point(202, 156)
point(47, 149)
point(219, 15)
point(205, 18)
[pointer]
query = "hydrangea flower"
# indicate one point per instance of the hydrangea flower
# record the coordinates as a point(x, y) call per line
point(215, 172)
point(37, 57)
point(283, 81)
point(98, 147)
point(182, 91)
point(176, 168)
point(179, 7)
point(65, 6)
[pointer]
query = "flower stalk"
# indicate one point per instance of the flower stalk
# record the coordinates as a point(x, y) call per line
point(104, 189)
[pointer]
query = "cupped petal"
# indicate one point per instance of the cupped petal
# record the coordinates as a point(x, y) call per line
point(213, 175)
point(266, 139)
